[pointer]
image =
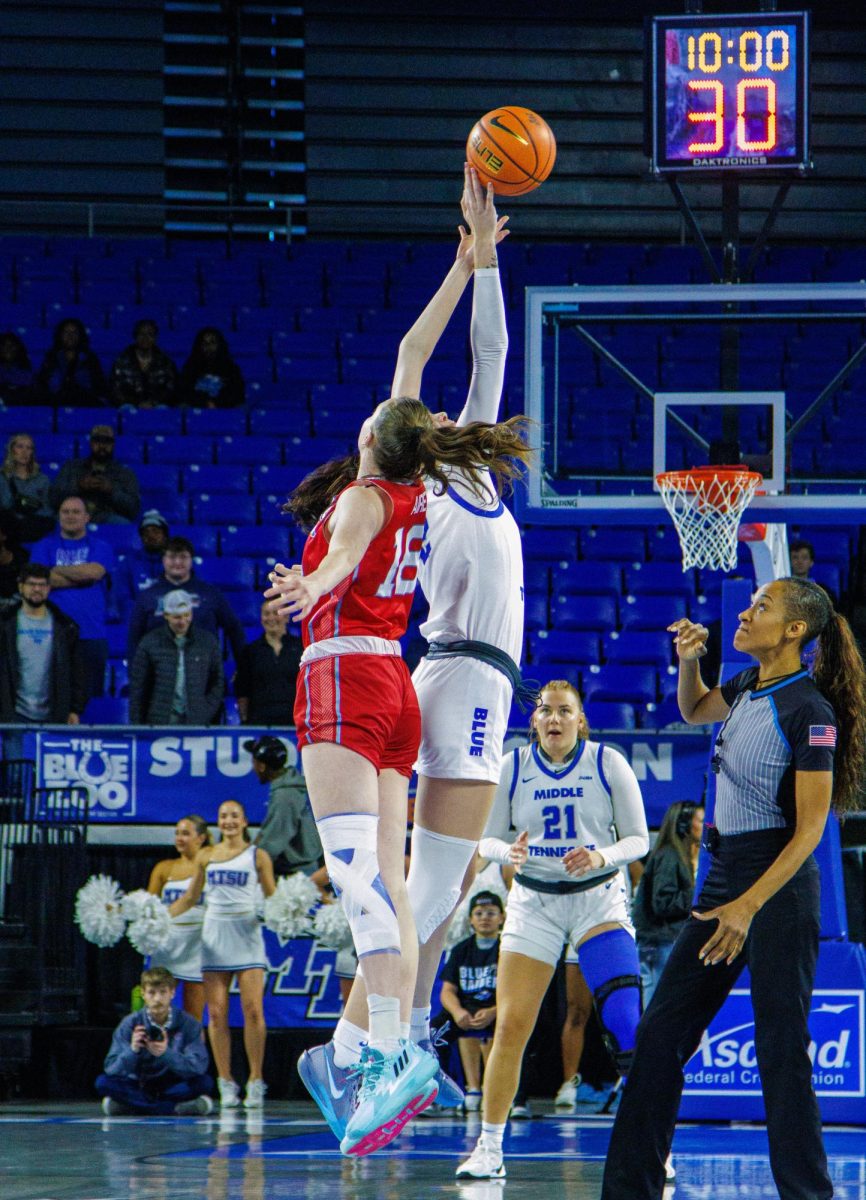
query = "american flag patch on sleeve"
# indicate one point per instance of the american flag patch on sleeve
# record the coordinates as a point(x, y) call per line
point(822, 735)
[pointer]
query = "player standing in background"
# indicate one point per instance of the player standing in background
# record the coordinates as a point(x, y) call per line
point(578, 806)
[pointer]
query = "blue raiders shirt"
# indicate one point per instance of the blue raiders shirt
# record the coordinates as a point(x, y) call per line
point(769, 734)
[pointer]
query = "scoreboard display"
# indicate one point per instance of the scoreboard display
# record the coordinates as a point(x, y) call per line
point(729, 93)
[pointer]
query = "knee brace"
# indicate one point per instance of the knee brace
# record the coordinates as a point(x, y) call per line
point(437, 865)
point(611, 969)
point(351, 857)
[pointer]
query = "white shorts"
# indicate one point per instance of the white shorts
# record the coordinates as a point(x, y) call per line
point(465, 705)
point(182, 955)
point(539, 924)
point(232, 942)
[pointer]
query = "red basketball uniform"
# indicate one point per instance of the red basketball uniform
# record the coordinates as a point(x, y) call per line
point(363, 701)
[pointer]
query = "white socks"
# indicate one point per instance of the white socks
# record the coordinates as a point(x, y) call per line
point(492, 1135)
point(384, 1021)
point(419, 1028)
point(349, 1040)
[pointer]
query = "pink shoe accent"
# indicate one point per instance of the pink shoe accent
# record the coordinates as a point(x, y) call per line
point(386, 1133)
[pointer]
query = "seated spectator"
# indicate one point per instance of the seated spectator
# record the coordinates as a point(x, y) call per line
point(16, 372)
point(210, 377)
point(70, 373)
point(176, 676)
point(109, 489)
point(212, 610)
point(81, 565)
point(143, 374)
point(802, 556)
point(42, 675)
point(25, 491)
point(268, 673)
point(157, 1063)
point(139, 569)
point(13, 556)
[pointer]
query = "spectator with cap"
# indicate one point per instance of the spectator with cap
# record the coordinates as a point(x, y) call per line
point(268, 672)
point(212, 609)
point(143, 374)
point(109, 489)
point(176, 675)
point(288, 832)
point(142, 567)
point(81, 567)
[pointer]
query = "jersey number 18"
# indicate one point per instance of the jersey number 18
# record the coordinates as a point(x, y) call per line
point(403, 572)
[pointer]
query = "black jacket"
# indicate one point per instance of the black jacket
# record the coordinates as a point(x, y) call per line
point(68, 691)
point(154, 670)
point(663, 899)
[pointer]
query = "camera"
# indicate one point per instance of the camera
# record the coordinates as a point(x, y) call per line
point(154, 1032)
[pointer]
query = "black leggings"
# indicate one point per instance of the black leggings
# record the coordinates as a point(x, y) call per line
point(781, 953)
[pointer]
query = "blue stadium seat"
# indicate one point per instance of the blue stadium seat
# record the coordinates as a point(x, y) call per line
point(664, 545)
point(549, 545)
point(205, 477)
point(663, 715)
point(55, 447)
point(231, 574)
point(659, 579)
point(203, 537)
point(35, 421)
point(319, 449)
point(216, 422)
point(283, 423)
point(180, 450)
point(106, 710)
point(568, 611)
point(248, 607)
point(610, 714)
point(640, 646)
point(635, 683)
point(302, 369)
point(117, 639)
point(119, 537)
point(589, 578)
point(250, 451)
point(118, 670)
point(535, 612)
point(257, 542)
point(158, 476)
point(580, 647)
point(652, 612)
point(146, 422)
point(173, 507)
point(222, 509)
point(614, 544)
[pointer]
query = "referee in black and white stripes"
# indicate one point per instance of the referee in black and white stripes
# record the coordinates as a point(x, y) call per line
point(792, 745)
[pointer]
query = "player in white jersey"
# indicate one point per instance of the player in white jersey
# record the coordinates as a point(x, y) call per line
point(169, 880)
point(232, 944)
point(578, 809)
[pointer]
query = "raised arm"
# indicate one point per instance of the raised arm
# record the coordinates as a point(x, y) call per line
point(699, 705)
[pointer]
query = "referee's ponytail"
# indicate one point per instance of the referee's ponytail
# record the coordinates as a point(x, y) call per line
point(840, 676)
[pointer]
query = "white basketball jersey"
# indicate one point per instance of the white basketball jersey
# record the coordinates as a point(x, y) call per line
point(561, 808)
point(232, 886)
point(172, 890)
point(471, 569)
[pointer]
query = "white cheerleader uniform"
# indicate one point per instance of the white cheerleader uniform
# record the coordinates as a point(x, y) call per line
point(232, 938)
point(592, 800)
point(471, 573)
point(182, 956)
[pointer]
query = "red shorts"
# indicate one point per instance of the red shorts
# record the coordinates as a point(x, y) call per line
point(365, 702)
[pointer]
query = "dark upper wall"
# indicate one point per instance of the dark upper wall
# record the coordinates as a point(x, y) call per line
point(390, 98)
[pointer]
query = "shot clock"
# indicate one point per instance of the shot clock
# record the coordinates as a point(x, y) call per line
point(729, 93)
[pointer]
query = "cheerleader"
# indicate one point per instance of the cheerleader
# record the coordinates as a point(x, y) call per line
point(169, 880)
point(579, 808)
point(232, 944)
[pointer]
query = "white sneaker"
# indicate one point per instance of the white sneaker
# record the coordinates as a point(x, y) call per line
point(485, 1162)
point(255, 1093)
point(670, 1169)
point(566, 1097)
point(520, 1112)
point(230, 1097)
point(200, 1107)
point(472, 1100)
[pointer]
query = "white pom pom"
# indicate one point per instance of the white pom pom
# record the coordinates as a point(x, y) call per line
point(137, 902)
point(99, 912)
point(151, 928)
point(287, 911)
point(331, 928)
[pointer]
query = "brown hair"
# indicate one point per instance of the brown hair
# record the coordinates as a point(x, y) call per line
point(200, 825)
point(408, 443)
point(8, 467)
point(158, 977)
point(840, 676)
point(679, 814)
point(245, 832)
point(560, 685)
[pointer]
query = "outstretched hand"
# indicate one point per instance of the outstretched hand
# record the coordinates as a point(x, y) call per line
point(291, 592)
point(479, 212)
point(690, 640)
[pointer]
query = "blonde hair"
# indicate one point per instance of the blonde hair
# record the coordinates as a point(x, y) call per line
point(560, 685)
point(8, 467)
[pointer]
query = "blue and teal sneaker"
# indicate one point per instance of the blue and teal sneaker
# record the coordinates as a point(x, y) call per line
point(333, 1088)
point(393, 1088)
point(450, 1093)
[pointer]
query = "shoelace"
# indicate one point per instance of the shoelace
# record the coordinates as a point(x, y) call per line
point(437, 1035)
point(368, 1071)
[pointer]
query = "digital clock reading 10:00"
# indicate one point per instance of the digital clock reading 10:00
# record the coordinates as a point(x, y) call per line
point(729, 93)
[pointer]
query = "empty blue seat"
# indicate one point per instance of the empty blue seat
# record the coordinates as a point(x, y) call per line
point(146, 422)
point(256, 542)
point(535, 612)
point(250, 451)
point(158, 476)
point(174, 507)
point(589, 578)
point(663, 715)
point(652, 612)
point(231, 574)
point(106, 710)
point(283, 423)
point(55, 447)
point(222, 509)
point(181, 450)
point(614, 544)
point(550, 545)
point(579, 647)
point(119, 537)
point(664, 544)
point(610, 714)
point(639, 646)
point(203, 538)
point(216, 421)
point(248, 607)
point(205, 477)
point(658, 579)
point(569, 611)
point(635, 683)
point(35, 421)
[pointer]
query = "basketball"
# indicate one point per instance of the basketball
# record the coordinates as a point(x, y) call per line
point(513, 148)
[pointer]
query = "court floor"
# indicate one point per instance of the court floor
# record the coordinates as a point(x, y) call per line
point(71, 1152)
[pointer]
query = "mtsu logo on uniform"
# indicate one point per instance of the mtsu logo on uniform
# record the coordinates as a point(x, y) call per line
point(725, 1062)
point(104, 767)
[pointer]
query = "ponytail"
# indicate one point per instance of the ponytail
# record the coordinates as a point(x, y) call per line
point(474, 450)
point(840, 676)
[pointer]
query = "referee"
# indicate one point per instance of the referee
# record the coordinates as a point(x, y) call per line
point(779, 767)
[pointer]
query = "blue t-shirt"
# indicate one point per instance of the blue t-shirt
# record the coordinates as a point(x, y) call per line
point(88, 606)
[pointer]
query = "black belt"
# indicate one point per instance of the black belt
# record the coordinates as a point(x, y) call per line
point(525, 690)
point(566, 887)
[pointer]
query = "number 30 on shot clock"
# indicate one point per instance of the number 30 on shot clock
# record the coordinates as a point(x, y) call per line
point(728, 93)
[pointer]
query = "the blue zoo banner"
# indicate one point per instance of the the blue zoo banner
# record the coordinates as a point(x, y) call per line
point(152, 775)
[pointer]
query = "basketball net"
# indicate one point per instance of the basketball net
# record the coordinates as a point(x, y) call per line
point(705, 505)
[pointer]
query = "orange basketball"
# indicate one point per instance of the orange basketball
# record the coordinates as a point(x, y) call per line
point(513, 148)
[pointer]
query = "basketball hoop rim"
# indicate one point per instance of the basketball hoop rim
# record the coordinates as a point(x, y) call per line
point(724, 475)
